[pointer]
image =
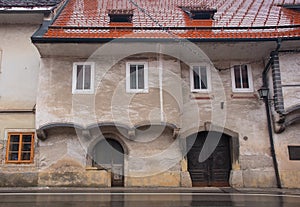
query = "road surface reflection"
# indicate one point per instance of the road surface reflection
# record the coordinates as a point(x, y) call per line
point(147, 199)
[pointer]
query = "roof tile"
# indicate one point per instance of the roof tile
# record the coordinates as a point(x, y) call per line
point(151, 18)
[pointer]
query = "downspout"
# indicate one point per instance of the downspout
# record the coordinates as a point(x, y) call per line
point(269, 122)
point(160, 71)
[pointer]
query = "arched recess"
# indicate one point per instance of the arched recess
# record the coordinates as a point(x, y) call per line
point(222, 157)
point(108, 153)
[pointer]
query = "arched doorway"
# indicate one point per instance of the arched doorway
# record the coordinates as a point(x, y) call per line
point(109, 154)
point(215, 170)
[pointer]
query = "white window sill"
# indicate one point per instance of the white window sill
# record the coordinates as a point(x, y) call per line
point(137, 91)
point(83, 92)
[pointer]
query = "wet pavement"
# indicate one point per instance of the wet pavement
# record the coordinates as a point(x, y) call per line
point(207, 197)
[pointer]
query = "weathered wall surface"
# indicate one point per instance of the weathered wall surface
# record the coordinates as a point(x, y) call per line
point(289, 67)
point(289, 169)
point(241, 113)
point(110, 101)
point(152, 159)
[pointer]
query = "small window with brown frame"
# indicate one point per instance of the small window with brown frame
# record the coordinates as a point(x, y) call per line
point(20, 147)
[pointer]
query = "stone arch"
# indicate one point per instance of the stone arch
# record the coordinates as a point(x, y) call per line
point(234, 140)
point(111, 135)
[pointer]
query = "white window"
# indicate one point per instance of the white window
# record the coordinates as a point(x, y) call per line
point(241, 77)
point(83, 78)
point(200, 78)
point(136, 77)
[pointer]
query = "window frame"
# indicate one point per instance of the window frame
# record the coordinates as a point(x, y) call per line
point(1, 60)
point(250, 79)
point(74, 78)
point(208, 76)
point(20, 161)
point(146, 88)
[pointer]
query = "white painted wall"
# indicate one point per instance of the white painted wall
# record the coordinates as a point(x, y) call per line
point(19, 67)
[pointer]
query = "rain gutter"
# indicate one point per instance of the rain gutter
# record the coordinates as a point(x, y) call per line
point(36, 39)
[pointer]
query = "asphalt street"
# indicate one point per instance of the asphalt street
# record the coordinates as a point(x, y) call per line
point(118, 197)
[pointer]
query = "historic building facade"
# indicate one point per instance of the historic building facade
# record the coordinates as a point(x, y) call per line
point(131, 95)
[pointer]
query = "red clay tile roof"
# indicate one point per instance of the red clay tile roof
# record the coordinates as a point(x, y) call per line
point(165, 19)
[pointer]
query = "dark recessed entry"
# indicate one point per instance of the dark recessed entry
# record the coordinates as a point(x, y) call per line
point(294, 152)
point(215, 170)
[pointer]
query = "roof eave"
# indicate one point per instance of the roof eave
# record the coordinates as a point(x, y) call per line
point(27, 9)
point(106, 40)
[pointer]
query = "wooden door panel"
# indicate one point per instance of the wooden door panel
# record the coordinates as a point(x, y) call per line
point(216, 169)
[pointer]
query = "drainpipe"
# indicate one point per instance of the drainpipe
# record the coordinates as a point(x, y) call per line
point(160, 70)
point(269, 122)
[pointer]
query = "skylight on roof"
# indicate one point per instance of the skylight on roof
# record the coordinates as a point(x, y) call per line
point(200, 13)
point(120, 16)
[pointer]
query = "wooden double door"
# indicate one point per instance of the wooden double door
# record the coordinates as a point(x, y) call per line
point(215, 170)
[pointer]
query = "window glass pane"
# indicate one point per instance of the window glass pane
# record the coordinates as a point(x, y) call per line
point(245, 78)
point(14, 138)
point(79, 81)
point(87, 77)
point(141, 84)
point(133, 77)
point(25, 156)
point(26, 147)
point(14, 147)
point(203, 78)
point(196, 77)
point(237, 76)
point(13, 156)
point(27, 138)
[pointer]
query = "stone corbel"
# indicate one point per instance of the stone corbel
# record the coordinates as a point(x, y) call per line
point(41, 134)
point(131, 133)
point(176, 133)
point(278, 123)
point(86, 134)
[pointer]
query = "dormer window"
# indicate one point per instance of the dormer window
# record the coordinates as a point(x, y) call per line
point(120, 16)
point(295, 7)
point(200, 13)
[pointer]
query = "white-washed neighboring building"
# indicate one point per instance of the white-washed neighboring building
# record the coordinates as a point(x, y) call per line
point(19, 69)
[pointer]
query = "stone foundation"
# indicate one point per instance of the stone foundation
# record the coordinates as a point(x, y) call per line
point(25, 179)
point(98, 178)
point(166, 179)
point(290, 179)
